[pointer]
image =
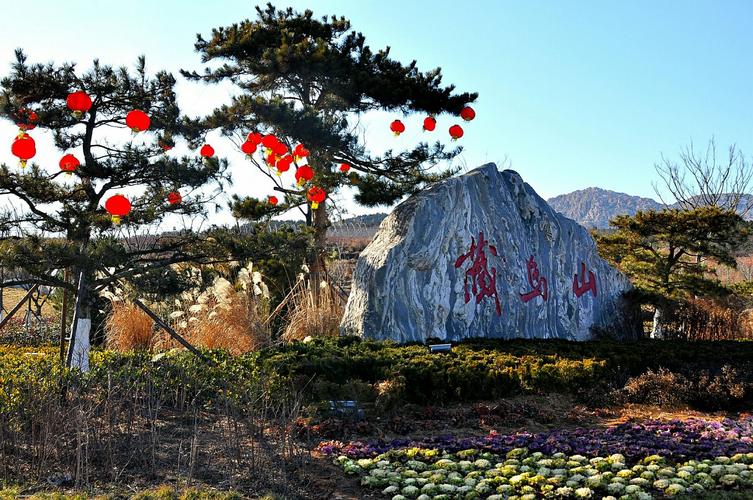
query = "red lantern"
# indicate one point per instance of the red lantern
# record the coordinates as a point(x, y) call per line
point(248, 147)
point(254, 138)
point(300, 152)
point(272, 200)
point(269, 141)
point(304, 174)
point(316, 195)
point(344, 167)
point(24, 148)
point(456, 131)
point(206, 151)
point(118, 206)
point(280, 149)
point(467, 114)
point(137, 120)
point(430, 123)
point(271, 159)
point(26, 119)
point(69, 163)
point(397, 127)
point(283, 164)
point(79, 102)
point(174, 197)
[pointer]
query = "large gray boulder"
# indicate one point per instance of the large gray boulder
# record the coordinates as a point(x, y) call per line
point(483, 255)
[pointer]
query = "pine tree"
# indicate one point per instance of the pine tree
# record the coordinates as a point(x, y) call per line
point(58, 221)
point(662, 252)
point(308, 81)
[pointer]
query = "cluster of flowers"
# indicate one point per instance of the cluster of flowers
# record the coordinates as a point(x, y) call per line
point(674, 440)
point(424, 474)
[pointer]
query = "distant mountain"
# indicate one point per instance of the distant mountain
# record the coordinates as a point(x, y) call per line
point(593, 207)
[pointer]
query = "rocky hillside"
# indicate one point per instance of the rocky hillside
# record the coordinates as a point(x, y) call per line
point(594, 207)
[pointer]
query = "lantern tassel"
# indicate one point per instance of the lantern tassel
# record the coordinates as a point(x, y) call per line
point(22, 163)
point(116, 220)
point(314, 205)
point(78, 114)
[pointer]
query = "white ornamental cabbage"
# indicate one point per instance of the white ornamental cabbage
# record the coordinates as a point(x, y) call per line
point(410, 491)
point(583, 493)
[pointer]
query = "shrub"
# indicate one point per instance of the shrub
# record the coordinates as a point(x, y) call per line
point(660, 387)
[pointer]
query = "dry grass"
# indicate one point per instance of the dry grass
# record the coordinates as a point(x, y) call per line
point(237, 325)
point(311, 317)
point(128, 328)
point(707, 319)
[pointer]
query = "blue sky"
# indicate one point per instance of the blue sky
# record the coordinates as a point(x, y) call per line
point(573, 94)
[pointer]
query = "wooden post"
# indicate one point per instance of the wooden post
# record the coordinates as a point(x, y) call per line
point(18, 306)
point(2, 289)
point(158, 321)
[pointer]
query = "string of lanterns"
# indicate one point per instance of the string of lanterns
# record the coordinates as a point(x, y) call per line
point(275, 152)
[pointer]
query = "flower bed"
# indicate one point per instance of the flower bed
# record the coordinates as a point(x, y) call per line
point(674, 440)
point(634, 460)
point(422, 474)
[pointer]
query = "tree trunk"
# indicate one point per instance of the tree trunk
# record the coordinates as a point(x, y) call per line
point(79, 346)
point(657, 332)
point(317, 267)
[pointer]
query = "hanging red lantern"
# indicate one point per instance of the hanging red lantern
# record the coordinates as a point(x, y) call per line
point(344, 167)
point(26, 119)
point(138, 121)
point(430, 123)
point(248, 147)
point(280, 149)
point(269, 141)
point(69, 163)
point(316, 195)
point(79, 102)
point(254, 138)
point(283, 164)
point(272, 200)
point(456, 131)
point(300, 152)
point(467, 114)
point(206, 151)
point(271, 159)
point(118, 206)
point(397, 127)
point(304, 174)
point(174, 197)
point(24, 148)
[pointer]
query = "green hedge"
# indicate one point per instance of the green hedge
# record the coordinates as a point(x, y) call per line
point(348, 367)
point(487, 369)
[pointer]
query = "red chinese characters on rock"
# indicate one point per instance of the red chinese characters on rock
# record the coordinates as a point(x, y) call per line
point(585, 284)
point(483, 282)
point(539, 287)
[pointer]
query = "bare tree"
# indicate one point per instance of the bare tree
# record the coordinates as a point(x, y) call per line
point(699, 179)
